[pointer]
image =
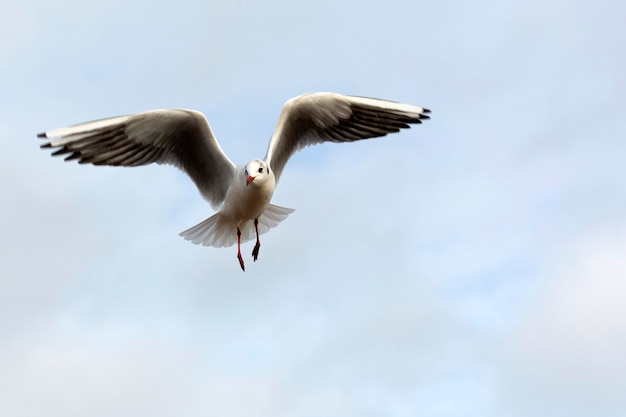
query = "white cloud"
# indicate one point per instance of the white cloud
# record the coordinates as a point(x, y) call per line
point(568, 354)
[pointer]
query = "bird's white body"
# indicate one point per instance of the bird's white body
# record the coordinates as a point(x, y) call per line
point(242, 193)
point(243, 203)
point(248, 201)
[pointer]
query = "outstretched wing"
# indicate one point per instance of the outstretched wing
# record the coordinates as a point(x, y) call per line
point(328, 117)
point(182, 138)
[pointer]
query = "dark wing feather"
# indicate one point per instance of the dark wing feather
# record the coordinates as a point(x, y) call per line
point(182, 138)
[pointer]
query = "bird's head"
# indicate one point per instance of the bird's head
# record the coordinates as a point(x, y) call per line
point(257, 173)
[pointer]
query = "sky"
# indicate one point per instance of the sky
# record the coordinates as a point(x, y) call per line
point(470, 266)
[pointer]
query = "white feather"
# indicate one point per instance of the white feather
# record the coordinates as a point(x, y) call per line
point(220, 231)
point(86, 128)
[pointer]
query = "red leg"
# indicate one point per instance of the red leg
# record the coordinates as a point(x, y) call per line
point(255, 251)
point(243, 268)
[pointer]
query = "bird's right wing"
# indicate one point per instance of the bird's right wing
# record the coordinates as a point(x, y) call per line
point(182, 138)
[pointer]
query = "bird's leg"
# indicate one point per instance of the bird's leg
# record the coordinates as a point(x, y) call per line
point(255, 251)
point(243, 268)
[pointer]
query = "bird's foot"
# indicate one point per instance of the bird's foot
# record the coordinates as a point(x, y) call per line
point(243, 268)
point(255, 250)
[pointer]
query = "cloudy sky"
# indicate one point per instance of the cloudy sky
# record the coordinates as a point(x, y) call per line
point(471, 266)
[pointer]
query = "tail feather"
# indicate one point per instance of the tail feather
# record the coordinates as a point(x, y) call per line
point(219, 231)
point(272, 216)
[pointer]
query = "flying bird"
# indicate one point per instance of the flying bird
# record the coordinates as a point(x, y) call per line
point(240, 194)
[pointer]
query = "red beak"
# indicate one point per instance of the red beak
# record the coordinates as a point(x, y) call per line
point(249, 180)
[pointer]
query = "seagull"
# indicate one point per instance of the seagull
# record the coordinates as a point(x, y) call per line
point(241, 195)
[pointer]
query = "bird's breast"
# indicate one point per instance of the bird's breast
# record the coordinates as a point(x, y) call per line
point(246, 202)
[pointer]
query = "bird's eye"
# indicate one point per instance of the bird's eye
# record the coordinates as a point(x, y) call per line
point(260, 169)
point(246, 172)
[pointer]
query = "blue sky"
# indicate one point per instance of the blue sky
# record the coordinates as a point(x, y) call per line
point(471, 266)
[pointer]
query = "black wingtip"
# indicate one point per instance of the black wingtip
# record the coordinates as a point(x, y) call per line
point(423, 116)
point(42, 135)
point(426, 110)
point(45, 145)
point(73, 155)
point(60, 151)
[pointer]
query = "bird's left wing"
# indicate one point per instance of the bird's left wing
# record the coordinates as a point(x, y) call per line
point(177, 137)
point(329, 117)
